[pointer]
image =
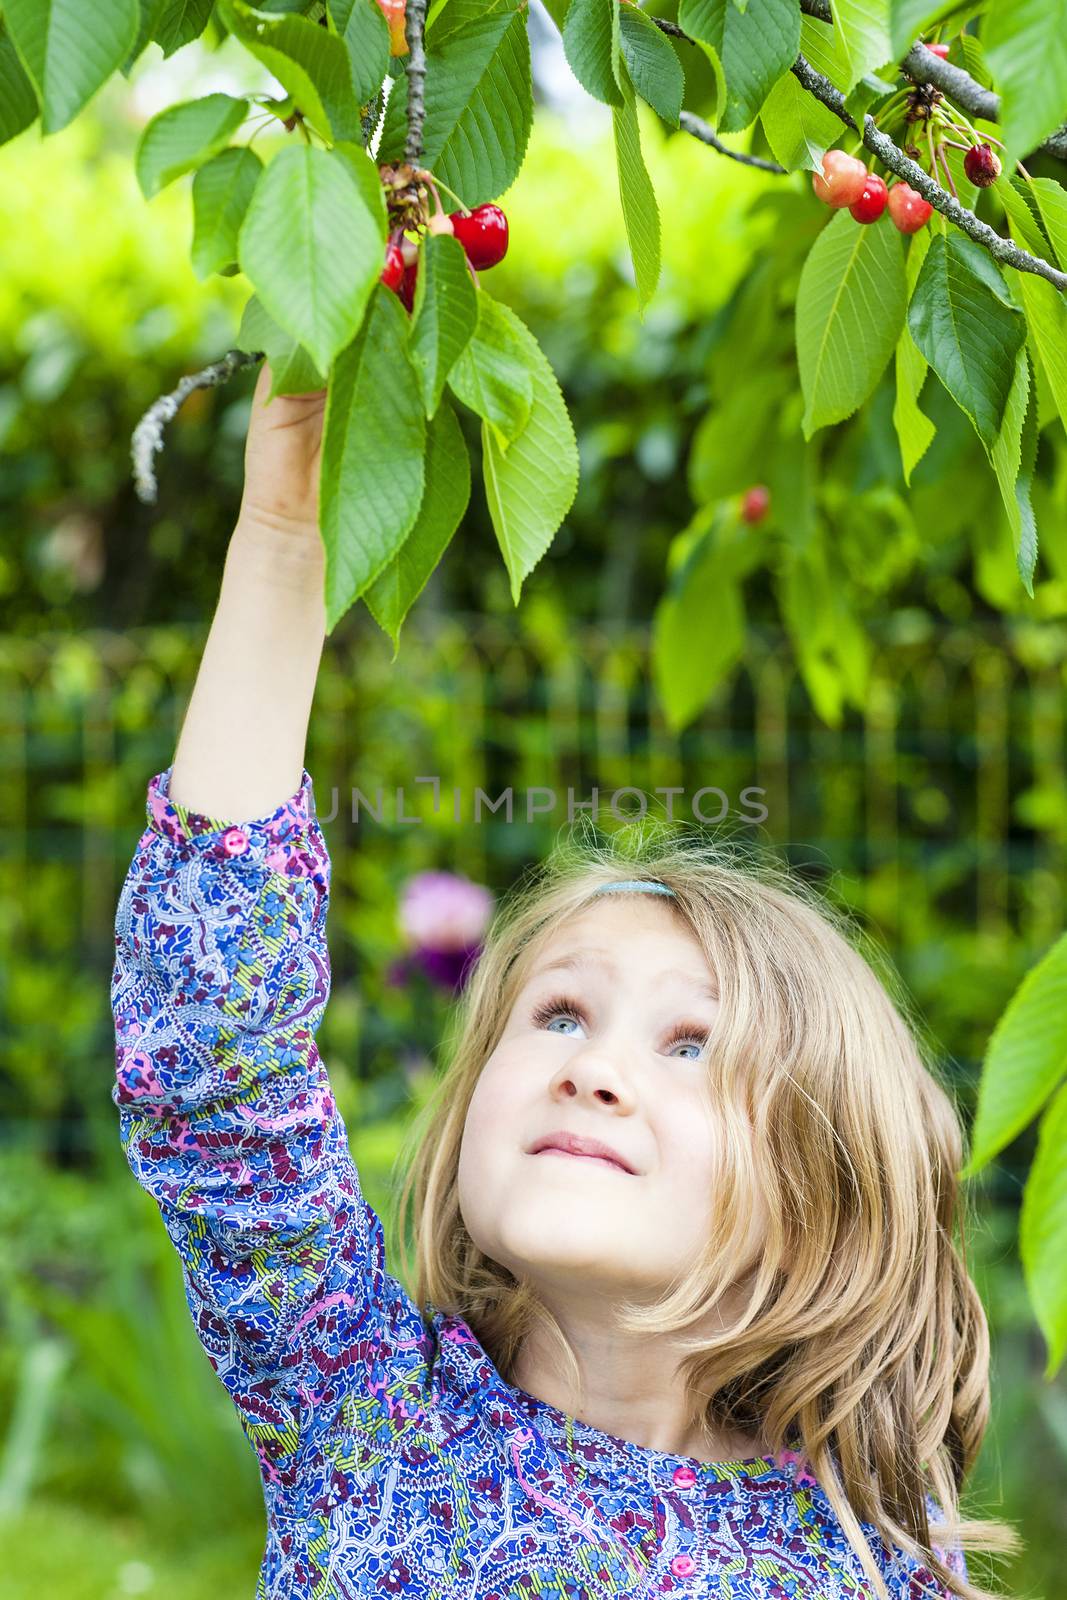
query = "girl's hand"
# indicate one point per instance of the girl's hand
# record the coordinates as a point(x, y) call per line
point(282, 453)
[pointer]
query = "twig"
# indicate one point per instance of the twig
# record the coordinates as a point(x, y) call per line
point(702, 130)
point(148, 434)
point(893, 157)
point(416, 22)
point(922, 66)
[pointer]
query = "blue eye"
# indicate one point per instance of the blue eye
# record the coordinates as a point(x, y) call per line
point(563, 1006)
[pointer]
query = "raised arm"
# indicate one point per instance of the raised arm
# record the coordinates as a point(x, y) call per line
point(220, 981)
point(241, 749)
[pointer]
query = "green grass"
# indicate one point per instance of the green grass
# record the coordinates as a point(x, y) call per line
point(53, 1550)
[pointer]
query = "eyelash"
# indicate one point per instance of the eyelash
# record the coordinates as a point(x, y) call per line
point(563, 1005)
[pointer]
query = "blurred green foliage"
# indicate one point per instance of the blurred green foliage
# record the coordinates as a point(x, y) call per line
point(938, 815)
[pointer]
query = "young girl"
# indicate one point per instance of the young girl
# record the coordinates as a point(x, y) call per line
point(689, 1317)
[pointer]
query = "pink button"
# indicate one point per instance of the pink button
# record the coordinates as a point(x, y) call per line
point(235, 841)
point(682, 1566)
point(684, 1477)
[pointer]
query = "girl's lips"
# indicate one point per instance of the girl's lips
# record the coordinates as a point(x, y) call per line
point(602, 1161)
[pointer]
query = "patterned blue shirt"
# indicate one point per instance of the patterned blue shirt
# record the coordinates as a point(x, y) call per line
point(396, 1461)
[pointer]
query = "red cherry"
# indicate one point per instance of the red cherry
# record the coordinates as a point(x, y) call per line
point(982, 165)
point(842, 179)
point(407, 286)
point(483, 233)
point(872, 202)
point(393, 271)
point(908, 209)
point(755, 503)
point(938, 50)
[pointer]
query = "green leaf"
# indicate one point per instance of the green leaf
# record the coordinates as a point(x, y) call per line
point(1025, 1060)
point(1013, 462)
point(445, 497)
point(822, 45)
point(291, 368)
point(222, 190)
point(914, 429)
point(69, 49)
point(364, 169)
point(181, 22)
point(587, 47)
point(557, 10)
point(1045, 306)
point(1043, 1231)
point(909, 18)
point(652, 62)
point(184, 136)
point(479, 106)
point(312, 248)
point(445, 314)
point(530, 488)
point(698, 632)
point(799, 128)
point(365, 33)
point(1050, 198)
point(1026, 51)
point(492, 374)
point(850, 309)
point(755, 47)
point(1046, 315)
point(150, 14)
point(967, 328)
point(308, 61)
point(832, 650)
point(729, 449)
point(868, 92)
point(640, 211)
point(863, 28)
point(373, 443)
point(18, 99)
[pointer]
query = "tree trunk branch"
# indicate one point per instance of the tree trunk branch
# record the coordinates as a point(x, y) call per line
point(893, 157)
point(922, 66)
point(705, 133)
point(415, 23)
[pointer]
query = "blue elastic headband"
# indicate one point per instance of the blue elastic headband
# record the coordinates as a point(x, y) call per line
point(640, 885)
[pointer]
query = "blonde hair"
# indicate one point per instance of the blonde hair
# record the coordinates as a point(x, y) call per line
point(863, 1340)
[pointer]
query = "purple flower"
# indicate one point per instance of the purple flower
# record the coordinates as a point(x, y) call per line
point(449, 968)
point(444, 917)
point(443, 911)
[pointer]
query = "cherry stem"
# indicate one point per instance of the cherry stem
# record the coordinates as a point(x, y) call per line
point(969, 130)
point(892, 105)
point(1024, 172)
point(436, 195)
point(948, 174)
point(429, 177)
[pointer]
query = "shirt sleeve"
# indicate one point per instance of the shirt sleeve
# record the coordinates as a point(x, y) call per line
point(226, 1115)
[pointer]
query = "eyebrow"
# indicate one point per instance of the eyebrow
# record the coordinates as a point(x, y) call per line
point(574, 960)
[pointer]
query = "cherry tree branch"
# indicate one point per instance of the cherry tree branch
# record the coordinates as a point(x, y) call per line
point(705, 133)
point(147, 437)
point(415, 22)
point(922, 66)
point(888, 153)
point(893, 157)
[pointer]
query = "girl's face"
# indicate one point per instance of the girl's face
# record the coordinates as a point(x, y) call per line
point(603, 1041)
